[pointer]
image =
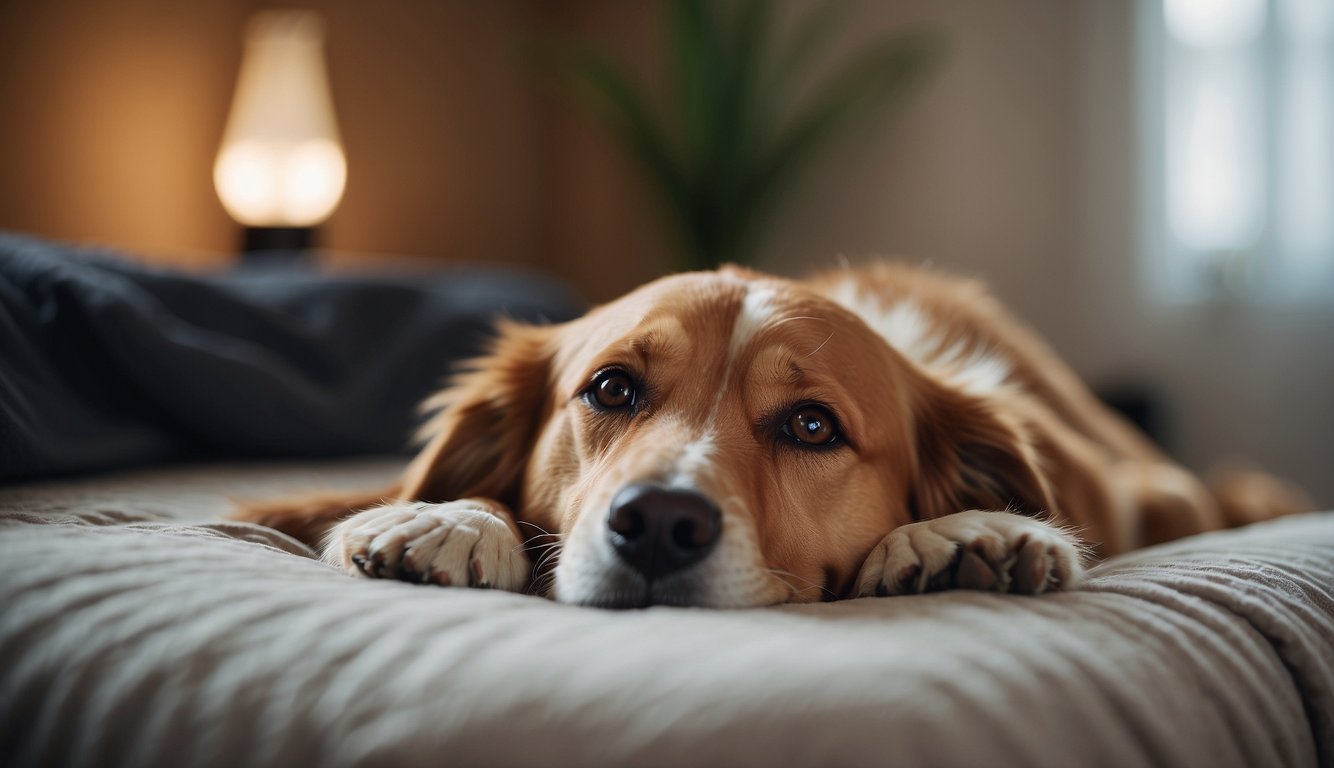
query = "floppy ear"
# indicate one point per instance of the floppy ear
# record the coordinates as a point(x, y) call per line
point(974, 455)
point(486, 420)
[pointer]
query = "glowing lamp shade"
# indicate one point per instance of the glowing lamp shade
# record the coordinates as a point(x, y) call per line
point(281, 164)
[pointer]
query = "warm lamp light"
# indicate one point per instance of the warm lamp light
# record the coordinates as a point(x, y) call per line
point(281, 169)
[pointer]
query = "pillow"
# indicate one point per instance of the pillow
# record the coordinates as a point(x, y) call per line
point(105, 364)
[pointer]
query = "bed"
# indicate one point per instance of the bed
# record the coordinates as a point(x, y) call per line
point(140, 628)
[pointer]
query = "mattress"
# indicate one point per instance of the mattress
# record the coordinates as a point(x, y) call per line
point(139, 628)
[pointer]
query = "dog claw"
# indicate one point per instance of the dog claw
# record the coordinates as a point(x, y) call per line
point(419, 543)
point(1032, 569)
point(939, 582)
point(975, 550)
point(974, 573)
point(907, 578)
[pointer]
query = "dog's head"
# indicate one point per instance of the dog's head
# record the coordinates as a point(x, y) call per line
point(719, 439)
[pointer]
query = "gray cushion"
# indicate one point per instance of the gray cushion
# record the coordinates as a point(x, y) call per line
point(136, 633)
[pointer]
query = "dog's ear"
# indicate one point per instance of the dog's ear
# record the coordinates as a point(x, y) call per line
point(485, 422)
point(972, 454)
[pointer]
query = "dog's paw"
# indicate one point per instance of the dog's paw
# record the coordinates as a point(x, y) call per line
point(460, 543)
point(995, 551)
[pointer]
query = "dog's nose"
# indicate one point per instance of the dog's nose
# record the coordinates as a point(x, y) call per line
point(659, 530)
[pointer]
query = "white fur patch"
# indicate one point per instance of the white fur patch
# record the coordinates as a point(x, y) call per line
point(757, 308)
point(907, 327)
point(458, 543)
point(693, 463)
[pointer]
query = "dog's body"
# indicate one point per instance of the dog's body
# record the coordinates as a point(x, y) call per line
point(731, 439)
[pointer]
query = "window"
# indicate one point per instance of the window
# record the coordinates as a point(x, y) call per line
point(1238, 136)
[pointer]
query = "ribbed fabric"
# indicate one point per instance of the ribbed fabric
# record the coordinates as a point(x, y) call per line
point(128, 639)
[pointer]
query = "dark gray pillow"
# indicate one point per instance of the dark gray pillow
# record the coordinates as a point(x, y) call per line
point(107, 364)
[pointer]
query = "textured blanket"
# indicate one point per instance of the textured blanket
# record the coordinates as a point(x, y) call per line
point(135, 632)
point(108, 364)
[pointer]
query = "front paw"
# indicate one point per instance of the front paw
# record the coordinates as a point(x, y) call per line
point(994, 551)
point(460, 543)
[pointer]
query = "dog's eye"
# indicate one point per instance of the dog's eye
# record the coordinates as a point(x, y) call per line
point(612, 390)
point(812, 425)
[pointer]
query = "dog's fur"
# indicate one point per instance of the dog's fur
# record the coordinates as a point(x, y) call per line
point(968, 456)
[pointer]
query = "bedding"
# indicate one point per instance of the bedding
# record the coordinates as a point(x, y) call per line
point(137, 628)
point(109, 364)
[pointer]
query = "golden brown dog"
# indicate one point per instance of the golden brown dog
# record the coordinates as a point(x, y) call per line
point(732, 439)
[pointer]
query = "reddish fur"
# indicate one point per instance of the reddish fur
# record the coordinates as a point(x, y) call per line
point(308, 518)
point(509, 428)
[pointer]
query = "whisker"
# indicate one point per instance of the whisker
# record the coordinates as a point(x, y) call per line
point(538, 527)
point(536, 549)
point(543, 585)
point(544, 570)
point(551, 555)
point(811, 585)
point(791, 589)
point(543, 536)
point(544, 547)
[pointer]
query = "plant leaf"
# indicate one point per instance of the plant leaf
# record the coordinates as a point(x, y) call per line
point(614, 95)
point(813, 31)
point(737, 123)
point(731, 160)
point(699, 76)
point(876, 80)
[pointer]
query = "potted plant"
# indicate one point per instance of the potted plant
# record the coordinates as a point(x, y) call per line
point(737, 127)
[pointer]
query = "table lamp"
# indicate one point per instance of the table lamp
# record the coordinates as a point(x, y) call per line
point(281, 171)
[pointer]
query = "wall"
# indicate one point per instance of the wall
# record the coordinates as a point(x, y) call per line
point(111, 115)
point(975, 176)
point(1251, 383)
point(604, 234)
point(114, 112)
point(1017, 164)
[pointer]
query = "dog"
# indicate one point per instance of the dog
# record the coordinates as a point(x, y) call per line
point(730, 439)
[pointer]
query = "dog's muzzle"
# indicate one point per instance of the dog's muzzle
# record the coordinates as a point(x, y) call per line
point(657, 530)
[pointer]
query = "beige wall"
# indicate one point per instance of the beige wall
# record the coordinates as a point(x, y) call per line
point(1020, 165)
point(976, 175)
point(456, 150)
point(604, 233)
point(1016, 164)
point(1248, 382)
point(114, 112)
point(111, 113)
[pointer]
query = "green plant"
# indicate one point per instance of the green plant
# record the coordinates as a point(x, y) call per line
point(730, 138)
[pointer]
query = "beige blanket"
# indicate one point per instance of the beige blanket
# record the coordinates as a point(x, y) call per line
point(134, 633)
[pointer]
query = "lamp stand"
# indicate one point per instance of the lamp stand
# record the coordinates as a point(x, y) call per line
point(257, 240)
point(278, 243)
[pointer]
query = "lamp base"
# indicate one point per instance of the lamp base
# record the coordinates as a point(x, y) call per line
point(291, 240)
